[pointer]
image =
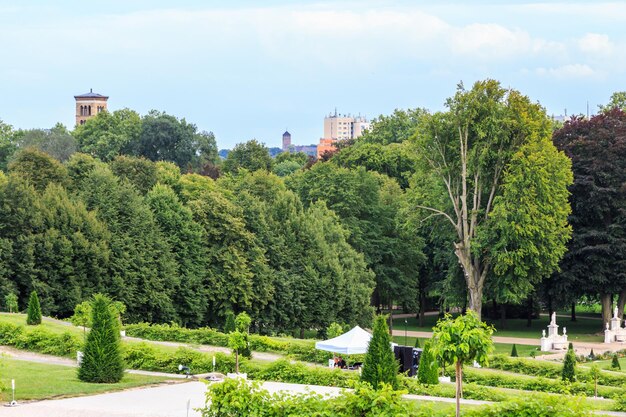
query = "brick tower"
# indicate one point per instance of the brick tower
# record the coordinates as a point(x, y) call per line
point(88, 105)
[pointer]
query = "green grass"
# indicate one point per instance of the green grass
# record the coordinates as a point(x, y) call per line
point(37, 381)
point(53, 326)
point(504, 348)
point(606, 364)
point(585, 329)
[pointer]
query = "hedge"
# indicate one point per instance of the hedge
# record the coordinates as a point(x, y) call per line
point(38, 339)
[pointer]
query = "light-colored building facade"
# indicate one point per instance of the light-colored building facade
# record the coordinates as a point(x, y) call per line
point(88, 105)
point(340, 127)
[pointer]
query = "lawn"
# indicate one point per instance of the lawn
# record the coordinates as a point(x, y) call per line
point(584, 329)
point(54, 326)
point(504, 348)
point(37, 381)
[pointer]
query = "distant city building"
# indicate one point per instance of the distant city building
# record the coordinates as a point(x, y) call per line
point(286, 140)
point(340, 127)
point(89, 105)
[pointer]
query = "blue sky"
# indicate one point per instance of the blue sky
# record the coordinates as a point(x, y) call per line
point(250, 69)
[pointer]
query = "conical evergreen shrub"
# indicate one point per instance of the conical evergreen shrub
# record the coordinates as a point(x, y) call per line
point(417, 342)
point(102, 360)
point(615, 362)
point(427, 373)
point(592, 356)
point(569, 366)
point(514, 351)
point(229, 323)
point(33, 316)
point(380, 365)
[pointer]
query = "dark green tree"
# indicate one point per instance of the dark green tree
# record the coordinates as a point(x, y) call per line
point(595, 263)
point(615, 362)
point(514, 351)
point(250, 155)
point(140, 172)
point(102, 361)
point(39, 168)
point(33, 315)
point(56, 142)
point(417, 342)
point(380, 365)
point(569, 366)
point(229, 322)
point(7, 144)
point(427, 373)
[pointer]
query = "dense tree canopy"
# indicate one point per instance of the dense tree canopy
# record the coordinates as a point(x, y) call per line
point(250, 155)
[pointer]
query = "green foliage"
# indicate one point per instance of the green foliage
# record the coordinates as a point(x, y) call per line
point(428, 371)
point(380, 366)
point(83, 312)
point(140, 172)
point(615, 362)
point(150, 358)
point(617, 101)
point(38, 168)
point(38, 339)
point(417, 342)
point(334, 330)
point(536, 406)
point(237, 342)
point(463, 339)
point(229, 322)
point(250, 155)
point(10, 301)
point(108, 135)
point(569, 366)
point(102, 361)
point(514, 351)
point(284, 370)
point(56, 142)
point(33, 316)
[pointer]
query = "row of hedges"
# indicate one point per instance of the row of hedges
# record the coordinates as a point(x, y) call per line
point(303, 350)
point(38, 339)
point(539, 384)
point(551, 370)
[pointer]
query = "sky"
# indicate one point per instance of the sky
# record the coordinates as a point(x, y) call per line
point(251, 69)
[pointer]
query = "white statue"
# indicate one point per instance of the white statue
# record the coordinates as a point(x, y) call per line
point(615, 312)
point(607, 325)
point(553, 320)
point(543, 332)
point(564, 331)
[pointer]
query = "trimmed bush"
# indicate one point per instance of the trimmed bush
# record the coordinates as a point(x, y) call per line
point(380, 365)
point(427, 373)
point(615, 363)
point(569, 366)
point(102, 360)
point(33, 317)
point(514, 351)
point(537, 406)
point(417, 342)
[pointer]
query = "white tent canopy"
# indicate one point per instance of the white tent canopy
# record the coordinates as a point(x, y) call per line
point(355, 341)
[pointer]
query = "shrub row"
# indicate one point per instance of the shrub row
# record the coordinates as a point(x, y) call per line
point(38, 339)
point(298, 373)
point(303, 350)
point(539, 384)
point(551, 370)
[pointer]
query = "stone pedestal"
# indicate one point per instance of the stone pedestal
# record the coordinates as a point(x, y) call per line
point(553, 341)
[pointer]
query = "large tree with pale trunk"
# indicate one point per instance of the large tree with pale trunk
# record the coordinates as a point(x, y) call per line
point(489, 170)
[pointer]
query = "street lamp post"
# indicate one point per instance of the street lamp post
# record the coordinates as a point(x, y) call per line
point(405, 333)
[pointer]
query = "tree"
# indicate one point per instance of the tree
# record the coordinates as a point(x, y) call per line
point(165, 138)
point(617, 101)
point(615, 362)
point(237, 342)
point(594, 372)
point(250, 155)
point(427, 372)
point(108, 135)
point(229, 323)
point(462, 340)
point(514, 351)
point(39, 168)
point(595, 263)
point(380, 366)
point(417, 342)
point(102, 361)
point(33, 316)
point(10, 300)
point(56, 142)
point(334, 330)
point(568, 372)
point(395, 128)
point(473, 159)
point(242, 324)
point(140, 172)
point(7, 145)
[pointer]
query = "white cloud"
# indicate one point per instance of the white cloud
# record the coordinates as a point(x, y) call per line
point(595, 43)
point(567, 71)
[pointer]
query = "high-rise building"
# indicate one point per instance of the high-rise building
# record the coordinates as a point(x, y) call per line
point(286, 140)
point(340, 127)
point(88, 105)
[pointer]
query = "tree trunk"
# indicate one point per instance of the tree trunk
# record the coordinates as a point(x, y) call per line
point(390, 323)
point(529, 321)
point(422, 304)
point(502, 317)
point(301, 332)
point(573, 311)
point(236, 360)
point(458, 388)
point(621, 300)
point(476, 300)
point(606, 300)
point(550, 309)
